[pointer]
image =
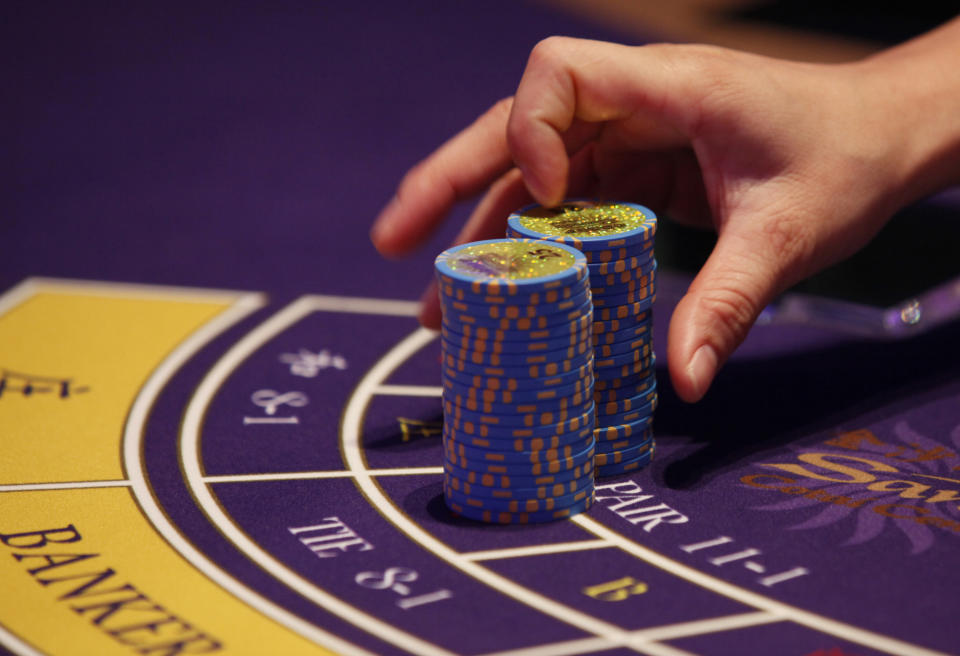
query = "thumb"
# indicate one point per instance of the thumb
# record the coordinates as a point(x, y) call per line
point(721, 305)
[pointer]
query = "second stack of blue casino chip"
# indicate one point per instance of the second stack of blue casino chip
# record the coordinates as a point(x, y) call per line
point(617, 241)
point(517, 376)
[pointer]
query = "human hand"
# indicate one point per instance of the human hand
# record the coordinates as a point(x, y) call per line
point(795, 165)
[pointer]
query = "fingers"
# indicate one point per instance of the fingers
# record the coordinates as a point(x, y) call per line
point(751, 263)
point(430, 314)
point(459, 169)
point(572, 87)
point(572, 91)
point(487, 221)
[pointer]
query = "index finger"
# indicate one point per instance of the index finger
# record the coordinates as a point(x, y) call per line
point(461, 168)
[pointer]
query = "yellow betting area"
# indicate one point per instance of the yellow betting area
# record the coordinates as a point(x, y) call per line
point(84, 569)
point(84, 573)
point(72, 363)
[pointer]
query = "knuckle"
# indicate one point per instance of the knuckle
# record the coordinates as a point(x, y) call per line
point(424, 179)
point(709, 65)
point(790, 243)
point(549, 50)
point(501, 109)
point(411, 179)
point(731, 312)
point(713, 79)
point(405, 183)
point(501, 114)
point(516, 131)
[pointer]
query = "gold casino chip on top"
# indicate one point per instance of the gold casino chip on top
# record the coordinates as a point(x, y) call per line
point(586, 225)
point(522, 265)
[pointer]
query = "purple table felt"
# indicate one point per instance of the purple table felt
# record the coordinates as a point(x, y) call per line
point(810, 505)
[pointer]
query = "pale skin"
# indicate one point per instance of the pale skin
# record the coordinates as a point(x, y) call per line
point(796, 166)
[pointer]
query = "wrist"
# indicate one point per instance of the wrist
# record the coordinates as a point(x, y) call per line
point(915, 89)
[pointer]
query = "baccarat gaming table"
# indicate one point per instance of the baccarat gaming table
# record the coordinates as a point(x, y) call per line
point(220, 420)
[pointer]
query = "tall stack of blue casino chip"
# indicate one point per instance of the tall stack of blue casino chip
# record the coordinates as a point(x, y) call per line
point(617, 240)
point(517, 373)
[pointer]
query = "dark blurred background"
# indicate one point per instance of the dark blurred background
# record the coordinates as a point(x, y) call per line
point(249, 145)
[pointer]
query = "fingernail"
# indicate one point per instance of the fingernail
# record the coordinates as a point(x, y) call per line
point(527, 180)
point(533, 185)
point(376, 233)
point(382, 228)
point(429, 315)
point(702, 369)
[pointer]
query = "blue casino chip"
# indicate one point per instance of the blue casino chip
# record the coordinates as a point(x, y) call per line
point(521, 469)
point(621, 330)
point(458, 450)
point(456, 413)
point(628, 383)
point(519, 444)
point(513, 369)
point(506, 481)
point(530, 505)
point(639, 249)
point(623, 311)
point(616, 339)
point(640, 296)
point(473, 404)
point(626, 467)
point(528, 344)
point(485, 358)
point(628, 403)
point(572, 331)
point(620, 325)
point(610, 446)
point(604, 351)
point(638, 354)
point(642, 386)
point(457, 321)
point(520, 395)
point(552, 490)
point(517, 504)
point(609, 273)
point(622, 270)
point(625, 372)
point(627, 289)
point(503, 517)
point(531, 372)
point(623, 455)
point(610, 283)
point(622, 431)
point(496, 311)
point(553, 295)
point(637, 414)
point(514, 384)
point(503, 415)
point(461, 426)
